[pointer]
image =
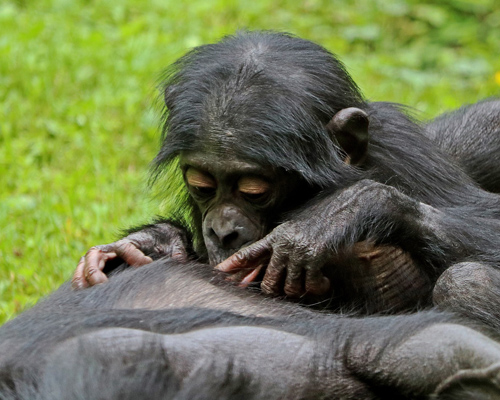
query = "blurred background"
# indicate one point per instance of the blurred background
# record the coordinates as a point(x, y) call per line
point(78, 79)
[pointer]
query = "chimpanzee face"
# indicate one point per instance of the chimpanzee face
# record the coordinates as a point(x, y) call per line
point(236, 200)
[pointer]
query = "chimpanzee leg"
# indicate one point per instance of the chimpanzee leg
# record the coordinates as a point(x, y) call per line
point(255, 363)
point(228, 363)
point(471, 289)
point(438, 358)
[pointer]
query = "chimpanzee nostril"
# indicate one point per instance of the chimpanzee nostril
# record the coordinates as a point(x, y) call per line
point(226, 238)
point(230, 239)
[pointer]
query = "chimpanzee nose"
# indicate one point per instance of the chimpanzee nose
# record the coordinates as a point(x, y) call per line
point(228, 238)
point(230, 234)
point(229, 228)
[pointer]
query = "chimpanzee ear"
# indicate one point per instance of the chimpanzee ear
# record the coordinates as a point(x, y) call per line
point(350, 128)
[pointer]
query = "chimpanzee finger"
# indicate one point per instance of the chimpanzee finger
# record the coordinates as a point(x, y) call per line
point(95, 260)
point(129, 253)
point(249, 257)
point(250, 277)
point(178, 251)
point(294, 282)
point(275, 274)
point(78, 281)
point(316, 283)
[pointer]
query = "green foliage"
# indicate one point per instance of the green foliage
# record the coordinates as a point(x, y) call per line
point(77, 78)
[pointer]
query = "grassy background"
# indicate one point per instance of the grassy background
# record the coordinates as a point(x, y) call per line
point(77, 80)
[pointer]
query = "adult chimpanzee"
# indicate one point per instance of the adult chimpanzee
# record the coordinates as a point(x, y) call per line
point(471, 135)
point(102, 344)
point(316, 190)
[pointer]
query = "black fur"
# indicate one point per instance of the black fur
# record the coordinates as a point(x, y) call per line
point(267, 98)
point(471, 135)
point(276, 93)
point(218, 87)
point(74, 345)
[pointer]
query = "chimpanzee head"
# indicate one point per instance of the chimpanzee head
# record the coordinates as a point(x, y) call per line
point(260, 123)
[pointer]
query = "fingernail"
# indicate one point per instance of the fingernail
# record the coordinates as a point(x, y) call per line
point(220, 267)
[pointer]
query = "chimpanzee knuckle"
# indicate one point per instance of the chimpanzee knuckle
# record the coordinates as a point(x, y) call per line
point(260, 247)
point(302, 250)
point(162, 248)
point(267, 289)
point(95, 276)
point(93, 258)
point(313, 269)
point(242, 258)
point(292, 235)
point(283, 229)
point(131, 240)
point(127, 251)
point(387, 199)
point(270, 285)
point(179, 253)
point(102, 248)
point(123, 246)
point(146, 239)
point(295, 269)
point(294, 289)
point(78, 281)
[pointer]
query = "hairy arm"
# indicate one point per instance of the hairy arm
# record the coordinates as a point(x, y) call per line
point(299, 253)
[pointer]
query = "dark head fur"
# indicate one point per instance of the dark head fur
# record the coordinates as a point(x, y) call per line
point(262, 96)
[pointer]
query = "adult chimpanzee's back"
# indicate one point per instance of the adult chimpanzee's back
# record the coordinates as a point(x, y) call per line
point(471, 135)
point(179, 331)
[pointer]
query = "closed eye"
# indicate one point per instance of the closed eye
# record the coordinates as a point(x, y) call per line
point(200, 182)
point(254, 189)
point(204, 189)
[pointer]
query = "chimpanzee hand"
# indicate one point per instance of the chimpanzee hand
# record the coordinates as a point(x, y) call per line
point(293, 258)
point(297, 252)
point(136, 249)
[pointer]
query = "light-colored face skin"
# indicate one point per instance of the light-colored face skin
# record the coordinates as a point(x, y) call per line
point(208, 176)
point(201, 181)
point(236, 200)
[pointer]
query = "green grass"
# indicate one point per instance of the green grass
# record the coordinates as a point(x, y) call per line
point(77, 80)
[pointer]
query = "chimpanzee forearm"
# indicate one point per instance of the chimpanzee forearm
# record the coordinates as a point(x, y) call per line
point(155, 239)
point(381, 213)
point(448, 245)
point(301, 251)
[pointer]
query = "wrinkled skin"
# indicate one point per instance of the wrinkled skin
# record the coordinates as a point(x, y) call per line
point(160, 240)
point(297, 252)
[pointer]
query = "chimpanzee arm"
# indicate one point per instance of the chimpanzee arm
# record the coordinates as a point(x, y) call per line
point(298, 252)
point(141, 246)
